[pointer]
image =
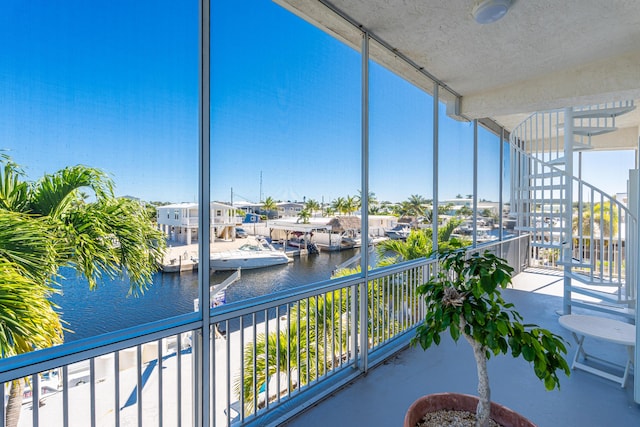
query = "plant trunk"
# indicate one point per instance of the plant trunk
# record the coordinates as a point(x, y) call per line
point(483, 411)
point(14, 404)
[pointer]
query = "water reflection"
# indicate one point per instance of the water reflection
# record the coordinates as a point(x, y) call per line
point(108, 308)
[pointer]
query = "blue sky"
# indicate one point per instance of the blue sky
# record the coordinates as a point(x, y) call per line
point(114, 85)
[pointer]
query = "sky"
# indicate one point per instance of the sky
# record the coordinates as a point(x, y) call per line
point(115, 86)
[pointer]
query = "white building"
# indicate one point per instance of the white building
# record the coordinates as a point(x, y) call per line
point(179, 221)
point(289, 209)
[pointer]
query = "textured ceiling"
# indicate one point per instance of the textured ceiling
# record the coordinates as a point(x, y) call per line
point(543, 54)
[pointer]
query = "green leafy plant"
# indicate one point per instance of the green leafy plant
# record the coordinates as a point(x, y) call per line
point(464, 297)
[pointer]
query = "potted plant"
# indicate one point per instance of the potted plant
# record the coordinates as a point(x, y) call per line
point(464, 298)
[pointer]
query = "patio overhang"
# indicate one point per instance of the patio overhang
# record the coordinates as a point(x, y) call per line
point(542, 55)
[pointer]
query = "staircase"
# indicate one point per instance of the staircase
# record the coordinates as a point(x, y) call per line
point(573, 225)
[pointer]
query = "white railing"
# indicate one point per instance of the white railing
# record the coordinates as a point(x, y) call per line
point(146, 375)
point(114, 379)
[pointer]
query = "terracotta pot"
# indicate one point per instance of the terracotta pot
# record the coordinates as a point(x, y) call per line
point(461, 402)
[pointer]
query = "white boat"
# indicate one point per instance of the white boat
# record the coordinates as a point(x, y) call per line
point(399, 232)
point(350, 239)
point(248, 256)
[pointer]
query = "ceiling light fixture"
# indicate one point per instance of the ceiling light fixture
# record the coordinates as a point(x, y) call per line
point(488, 11)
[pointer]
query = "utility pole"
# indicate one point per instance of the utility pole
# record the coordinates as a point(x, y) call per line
point(260, 186)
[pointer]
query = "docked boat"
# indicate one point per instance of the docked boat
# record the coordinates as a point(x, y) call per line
point(248, 256)
point(350, 239)
point(399, 232)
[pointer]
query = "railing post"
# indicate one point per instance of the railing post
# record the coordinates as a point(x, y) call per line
point(196, 370)
point(568, 213)
point(354, 324)
point(2, 411)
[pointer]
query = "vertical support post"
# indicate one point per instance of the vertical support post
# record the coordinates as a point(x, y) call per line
point(364, 232)
point(202, 349)
point(2, 410)
point(116, 387)
point(475, 183)
point(65, 395)
point(35, 402)
point(435, 213)
point(568, 208)
point(500, 193)
point(138, 388)
point(633, 264)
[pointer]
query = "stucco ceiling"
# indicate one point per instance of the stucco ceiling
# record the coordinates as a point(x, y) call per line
point(543, 54)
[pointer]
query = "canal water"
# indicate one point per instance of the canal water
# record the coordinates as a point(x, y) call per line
point(108, 308)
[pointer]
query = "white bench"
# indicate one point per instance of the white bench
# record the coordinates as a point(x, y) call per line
point(600, 328)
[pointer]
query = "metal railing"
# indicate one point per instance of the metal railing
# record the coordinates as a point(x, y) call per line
point(113, 379)
point(270, 356)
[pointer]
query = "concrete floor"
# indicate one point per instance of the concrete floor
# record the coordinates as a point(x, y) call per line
point(381, 397)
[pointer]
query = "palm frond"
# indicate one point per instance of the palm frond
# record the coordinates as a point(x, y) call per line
point(28, 242)
point(111, 237)
point(13, 191)
point(53, 194)
point(28, 320)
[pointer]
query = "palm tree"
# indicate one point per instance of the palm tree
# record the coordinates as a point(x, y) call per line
point(339, 205)
point(351, 204)
point(428, 216)
point(315, 342)
point(375, 210)
point(304, 216)
point(487, 213)
point(419, 244)
point(415, 205)
point(28, 319)
point(48, 224)
point(465, 211)
point(371, 200)
point(605, 219)
point(382, 306)
point(386, 207)
point(445, 209)
point(402, 209)
point(269, 205)
point(312, 206)
point(277, 353)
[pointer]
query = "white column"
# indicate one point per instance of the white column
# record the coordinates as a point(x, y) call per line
point(633, 261)
point(568, 207)
point(364, 260)
point(201, 337)
point(434, 212)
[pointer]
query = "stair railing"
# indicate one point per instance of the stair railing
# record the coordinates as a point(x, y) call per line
point(596, 227)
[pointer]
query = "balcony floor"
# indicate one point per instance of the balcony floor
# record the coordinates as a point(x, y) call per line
point(381, 397)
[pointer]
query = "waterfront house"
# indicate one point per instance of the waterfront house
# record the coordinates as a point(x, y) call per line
point(530, 83)
point(248, 207)
point(179, 221)
point(289, 209)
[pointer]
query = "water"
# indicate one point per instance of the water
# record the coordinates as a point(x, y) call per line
point(106, 309)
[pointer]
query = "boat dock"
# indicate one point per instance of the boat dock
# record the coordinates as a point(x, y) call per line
point(180, 257)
